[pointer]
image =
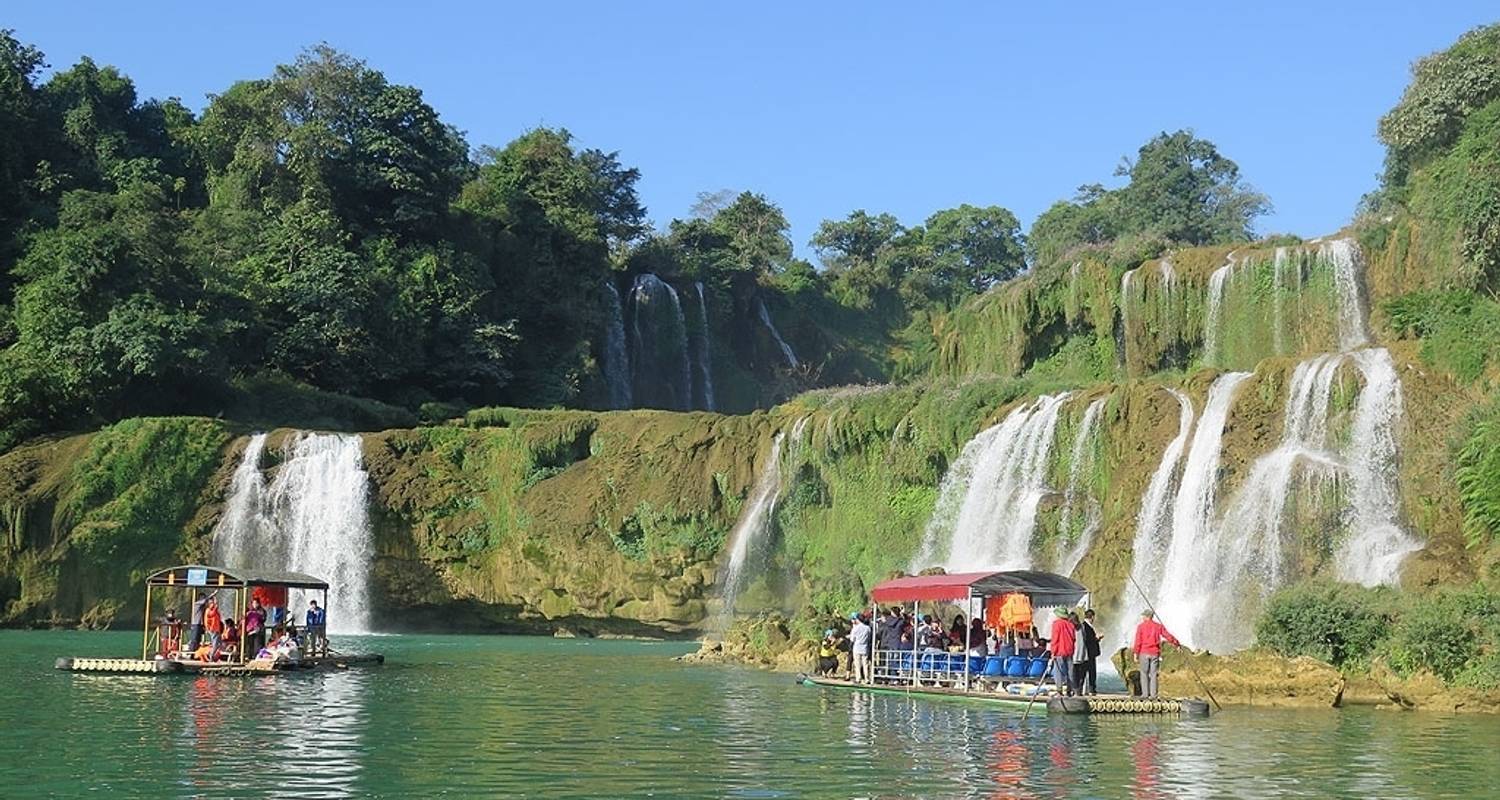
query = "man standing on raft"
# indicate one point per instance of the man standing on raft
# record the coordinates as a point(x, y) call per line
point(1147, 648)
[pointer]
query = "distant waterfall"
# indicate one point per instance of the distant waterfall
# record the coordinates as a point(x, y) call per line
point(1212, 313)
point(1190, 574)
point(616, 353)
point(1278, 312)
point(662, 372)
point(1374, 545)
point(703, 386)
point(1156, 505)
point(754, 524)
point(1006, 471)
point(1078, 500)
point(312, 518)
point(1344, 256)
point(1125, 281)
point(765, 319)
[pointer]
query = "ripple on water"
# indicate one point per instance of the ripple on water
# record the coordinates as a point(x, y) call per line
point(520, 717)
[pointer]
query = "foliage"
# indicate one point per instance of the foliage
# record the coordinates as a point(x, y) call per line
point(1446, 87)
point(135, 488)
point(1477, 473)
point(1444, 632)
point(1179, 189)
point(1459, 330)
point(1340, 623)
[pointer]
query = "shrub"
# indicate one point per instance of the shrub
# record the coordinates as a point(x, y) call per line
point(1446, 87)
point(1444, 633)
point(1337, 622)
point(1477, 474)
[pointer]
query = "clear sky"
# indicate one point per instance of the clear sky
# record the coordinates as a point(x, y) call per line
point(827, 107)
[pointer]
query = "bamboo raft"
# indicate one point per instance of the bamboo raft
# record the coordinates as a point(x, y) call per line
point(1094, 704)
point(160, 666)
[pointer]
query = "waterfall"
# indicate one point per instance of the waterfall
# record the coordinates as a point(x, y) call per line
point(754, 524)
point(663, 374)
point(312, 518)
point(1007, 478)
point(616, 356)
point(703, 388)
point(1374, 545)
point(1211, 316)
point(1080, 461)
point(786, 349)
point(1155, 509)
point(1168, 274)
point(1188, 576)
point(1346, 261)
point(1125, 281)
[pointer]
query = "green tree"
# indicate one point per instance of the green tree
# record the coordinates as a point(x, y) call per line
point(756, 230)
point(973, 248)
point(860, 255)
point(1182, 189)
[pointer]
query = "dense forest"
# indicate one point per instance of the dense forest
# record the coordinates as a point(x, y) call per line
point(319, 246)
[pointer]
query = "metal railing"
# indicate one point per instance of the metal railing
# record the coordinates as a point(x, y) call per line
point(957, 670)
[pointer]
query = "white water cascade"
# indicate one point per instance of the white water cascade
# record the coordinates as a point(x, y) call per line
point(662, 373)
point(312, 518)
point(1156, 506)
point(754, 524)
point(1078, 499)
point(988, 509)
point(1191, 571)
point(1278, 289)
point(765, 319)
point(704, 387)
point(1374, 545)
point(1213, 312)
point(1346, 261)
point(616, 352)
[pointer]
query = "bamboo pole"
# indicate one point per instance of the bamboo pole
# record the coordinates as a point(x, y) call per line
point(1192, 668)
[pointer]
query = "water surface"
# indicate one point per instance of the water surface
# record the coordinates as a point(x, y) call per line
point(527, 717)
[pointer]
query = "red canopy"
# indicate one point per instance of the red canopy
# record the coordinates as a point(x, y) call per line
point(927, 587)
point(1043, 588)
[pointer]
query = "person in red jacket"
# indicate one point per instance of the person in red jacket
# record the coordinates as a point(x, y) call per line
point(1060, 646)
point(1147, 648)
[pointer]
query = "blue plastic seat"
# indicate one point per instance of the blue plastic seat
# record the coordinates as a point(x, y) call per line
point(994, 667)
point(1015, 667)
point(956, 663)
point(1037, 669)
point(906, 662)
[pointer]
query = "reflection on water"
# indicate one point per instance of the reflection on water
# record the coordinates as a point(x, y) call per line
point(476, 716)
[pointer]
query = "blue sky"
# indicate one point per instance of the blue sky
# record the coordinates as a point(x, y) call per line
point(831, 107)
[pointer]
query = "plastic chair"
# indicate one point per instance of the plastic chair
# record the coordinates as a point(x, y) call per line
point(1015, 667)
point(994, 667)
point(1037, 668)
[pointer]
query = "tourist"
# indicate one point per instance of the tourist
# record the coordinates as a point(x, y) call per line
point(195, 622)
point(929, 635)
point(888, 642)
point(255, 627)
point(212, 622)
point(978, 639)
point(859, 648)
point(169, 635)
point(1086, 669)
point(957, 631)
point(828, 653)
point(1060, 645)
point(1149, 636)
point(229, 642)
point(317, 628)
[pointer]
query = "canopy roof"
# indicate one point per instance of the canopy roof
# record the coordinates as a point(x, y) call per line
point(1044, 588)
point(195, 575)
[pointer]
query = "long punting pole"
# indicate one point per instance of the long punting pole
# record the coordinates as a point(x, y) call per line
point(1194, 669)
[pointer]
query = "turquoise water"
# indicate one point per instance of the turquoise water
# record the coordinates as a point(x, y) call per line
point(467, 716)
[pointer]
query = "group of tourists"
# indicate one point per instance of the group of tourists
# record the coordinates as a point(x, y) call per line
point(1072, 645)
point(212, 636)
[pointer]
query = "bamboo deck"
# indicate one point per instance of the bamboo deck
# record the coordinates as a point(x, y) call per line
point(136, 666)
point(1093, 704)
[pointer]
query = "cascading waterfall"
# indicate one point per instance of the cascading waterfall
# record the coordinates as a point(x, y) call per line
point(1211, 316)
point(1343, 254)
point(662, 372)
point(1188, 575)
point(1375, 545)
point(765, 319)
point(1007, 478)
point(312, 518)
point(1156, 509)
point(1077, 499)
point(754, 524)
point(616, 353)
point(703, 388)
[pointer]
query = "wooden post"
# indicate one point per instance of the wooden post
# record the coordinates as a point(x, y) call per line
point(968, 636)
point(146, 625)
point(242, 606)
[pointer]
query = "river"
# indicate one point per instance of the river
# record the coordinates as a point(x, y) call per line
point(532, 717)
